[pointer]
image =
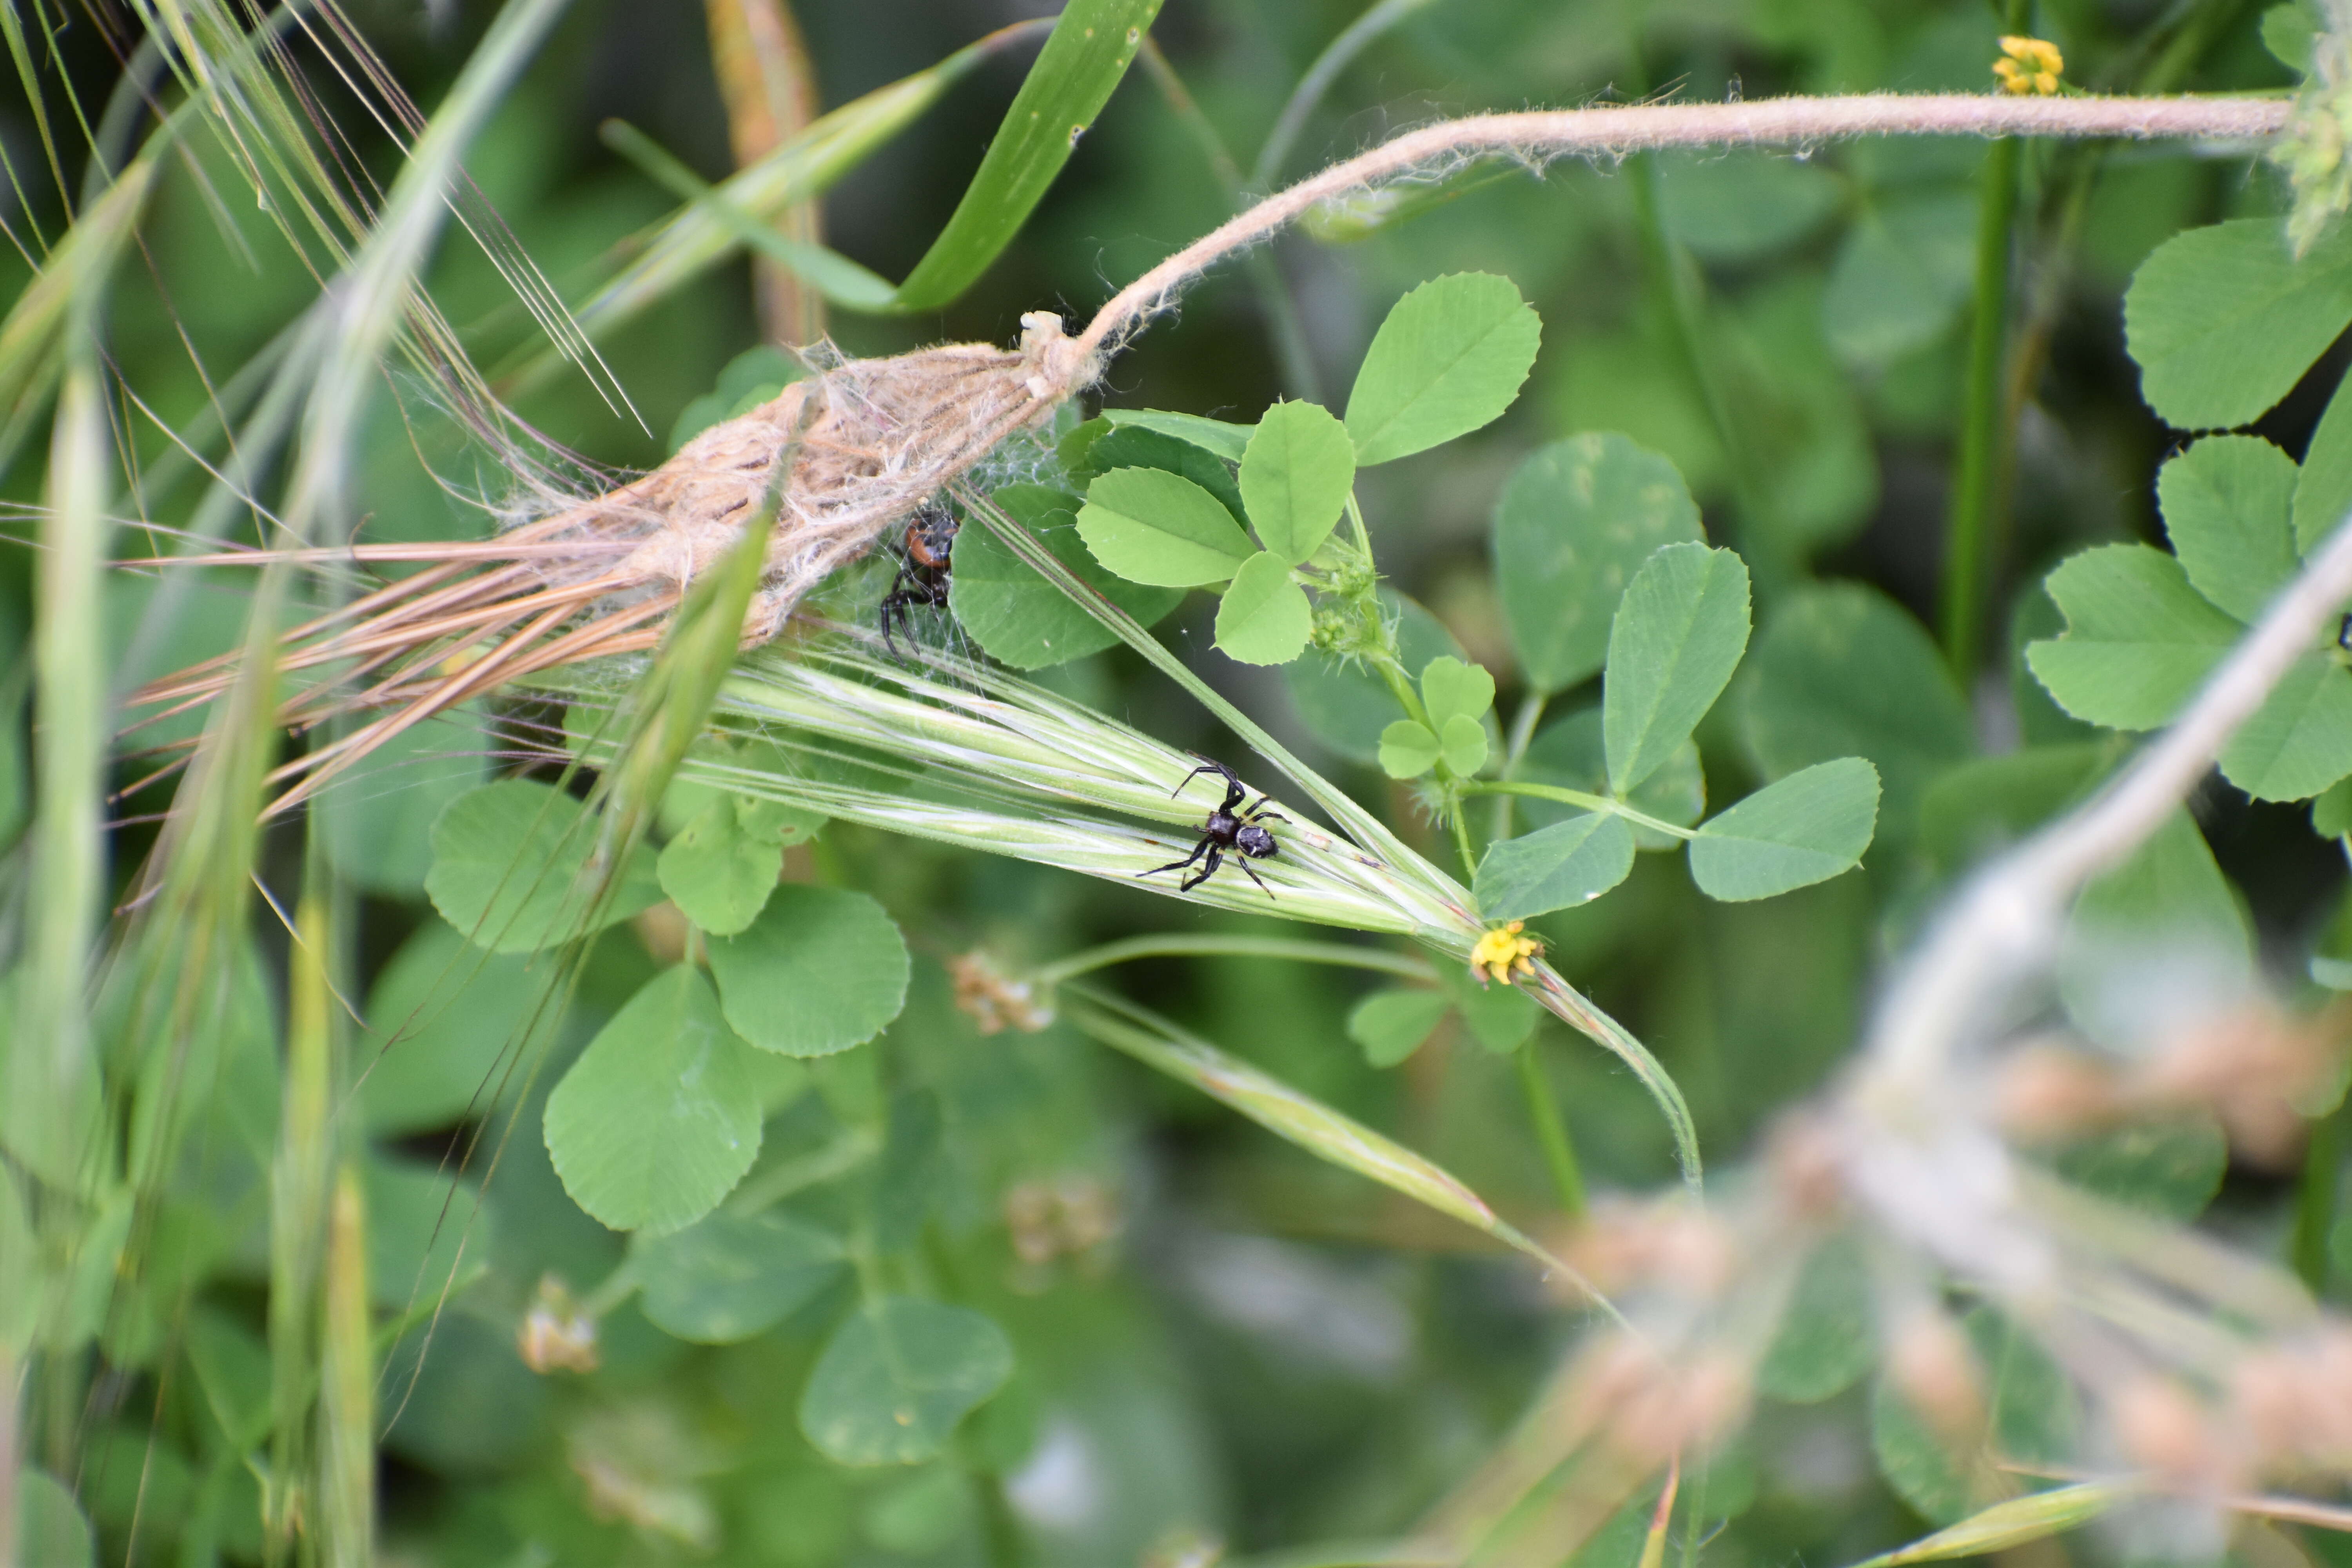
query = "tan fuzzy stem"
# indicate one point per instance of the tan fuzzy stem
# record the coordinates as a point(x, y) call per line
point(1615, 130)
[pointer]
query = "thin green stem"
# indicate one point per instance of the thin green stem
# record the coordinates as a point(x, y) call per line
point(1203, 947)
point(1984, 426)
point(1456, 820)
point(1578, 798)
point(2314, 1201)
point(1552, 1133)
point(1523, 731)
point(1291, 348)
point(1318, 82)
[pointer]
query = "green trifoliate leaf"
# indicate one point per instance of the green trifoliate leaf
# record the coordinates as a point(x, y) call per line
point(1132, 447)
point(660, 1116)
point(1562, 866)
point(1806, 828)
point(1408, 750)
point(1295, 479)
point(1450, 357)
point(2331, 814)
point(1452, 687)
point(897, 1376)
point(2228, 502)
point(1462, 745)
point(2224, 321)
point(716, 873)
point(1679, 636)
point(1344, 703)
point(1841, 671)
point(2138, 638)
point(1567, 753)
point(1265, 617)
point(2299, 741)
point(515, 868)
point(1902, 275)
point(1391, 1024)
point(1017, 617)
point(820, 971)
point(1228, 441)
point(1149, 526)
point(730, 1276)
point(1574, 523)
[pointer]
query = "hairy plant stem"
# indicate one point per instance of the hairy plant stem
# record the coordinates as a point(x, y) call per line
point(1985, 429)
point(1182, 945)
point(1551, 1133)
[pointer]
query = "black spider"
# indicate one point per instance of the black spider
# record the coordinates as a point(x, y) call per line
point(926, 569)
point(1226, 829)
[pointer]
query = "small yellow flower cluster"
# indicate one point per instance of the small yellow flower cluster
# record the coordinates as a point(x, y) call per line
point(2028, 66)
point(1503, 953)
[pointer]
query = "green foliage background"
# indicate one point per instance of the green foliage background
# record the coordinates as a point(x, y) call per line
point(1011, 1297)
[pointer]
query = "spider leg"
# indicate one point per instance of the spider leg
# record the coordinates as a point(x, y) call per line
point(1216, 858)
point(1209, 844)
point(892, 603)
point(1188, 778)
point(1245, 865)
point(1259, 810)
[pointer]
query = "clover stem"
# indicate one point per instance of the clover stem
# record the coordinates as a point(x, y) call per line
point(1552, 1133)
point(1578, 798)
point(1523, 731)
point(1461, 831)
point(1186, 945)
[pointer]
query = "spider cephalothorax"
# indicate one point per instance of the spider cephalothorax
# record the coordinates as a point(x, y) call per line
point(1227, 828)
point(925, 554)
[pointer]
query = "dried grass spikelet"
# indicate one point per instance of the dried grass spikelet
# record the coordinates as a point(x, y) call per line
point(865, 442)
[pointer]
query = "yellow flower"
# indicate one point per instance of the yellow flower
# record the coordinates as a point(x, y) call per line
point(2028, 66)
point(1502, 952)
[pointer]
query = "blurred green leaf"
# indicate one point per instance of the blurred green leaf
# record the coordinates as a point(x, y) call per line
point(1805, 828)
point(1679, 633)
point(1263, 618)
point(909, 1178)
point(1295, 475)
point(2170, 1168)
point(429, 1234)
point(2139, 640)
point(2226, 503)
point(2323, 485)
point(1917, 1463)
point(1019, 619)
point(1742, 205)
point(20, 1263)
point(1449, 358)
point(1976, 808)
point(1556, 868)
point(728, 1277)
point(1499, 1018)
point(1391, 1024)
point(1569, 753)
point(1575, 522)
point(1841, 671)
point(1902, 275)
point(1149, 526)
point(2157, 934)
point(2289, 33)
point(516, 868)
point(2331, 812)
point(896, 1378)
point(2223, 321)
point(1226, 440)
point(1825, 1342)
point(377, 816)
point(442, 1017)
point(717, 872)
point(820, 971)
point(50, 1530)
point(1088, 51)
point(660, 1117)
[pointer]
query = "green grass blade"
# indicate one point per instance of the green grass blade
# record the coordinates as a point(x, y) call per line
point(839, 279)
point(2035, 1517)
point(1092, 44)
point(28, 77)
point(33, 335)
point(1299, 1117)
point(698, 238)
